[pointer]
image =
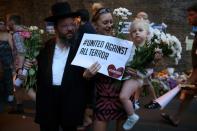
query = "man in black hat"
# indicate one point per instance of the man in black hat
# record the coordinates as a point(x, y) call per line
point(61, 94)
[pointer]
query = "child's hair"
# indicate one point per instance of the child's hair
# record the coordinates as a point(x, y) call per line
point(141, 22)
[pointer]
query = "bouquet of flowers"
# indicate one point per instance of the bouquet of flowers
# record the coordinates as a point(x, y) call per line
point(160, 42)
point(121, 15)
point(33, 43)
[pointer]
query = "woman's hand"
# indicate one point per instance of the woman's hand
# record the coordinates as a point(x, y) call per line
point(131, 71)
point(29, 63)
point(158, 56)
point(92, 70)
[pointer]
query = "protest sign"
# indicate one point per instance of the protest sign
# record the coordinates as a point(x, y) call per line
point(112, 53)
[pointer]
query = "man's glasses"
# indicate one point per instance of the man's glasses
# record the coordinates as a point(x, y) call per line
point(66, 27)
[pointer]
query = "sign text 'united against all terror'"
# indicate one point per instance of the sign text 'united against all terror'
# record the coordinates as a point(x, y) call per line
point(101, 44)
point(112, 53)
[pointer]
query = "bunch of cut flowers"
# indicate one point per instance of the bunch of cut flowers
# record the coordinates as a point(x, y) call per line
point(33, 43)
point(121, 16)
point(168, 44)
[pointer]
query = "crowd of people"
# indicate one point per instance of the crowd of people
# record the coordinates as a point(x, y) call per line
point(73, 97)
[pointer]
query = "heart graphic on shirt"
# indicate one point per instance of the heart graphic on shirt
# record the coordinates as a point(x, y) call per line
point(113, 72)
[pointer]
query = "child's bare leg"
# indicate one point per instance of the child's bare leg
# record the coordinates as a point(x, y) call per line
point(129, 87)
point(137, 94)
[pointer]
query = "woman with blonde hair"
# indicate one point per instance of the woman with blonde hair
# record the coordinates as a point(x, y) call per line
point(107, 104)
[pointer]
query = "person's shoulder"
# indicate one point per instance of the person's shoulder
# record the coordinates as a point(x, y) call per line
point(49, 43)
point(4, 36)
point(88, 28)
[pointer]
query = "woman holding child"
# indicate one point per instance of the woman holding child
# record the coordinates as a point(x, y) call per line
point(110, 97)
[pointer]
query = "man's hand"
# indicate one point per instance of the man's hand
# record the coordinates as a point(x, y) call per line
point(29, 63)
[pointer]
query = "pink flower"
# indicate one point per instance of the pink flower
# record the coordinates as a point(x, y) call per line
point(25, 34)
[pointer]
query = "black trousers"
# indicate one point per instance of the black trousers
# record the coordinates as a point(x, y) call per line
point(6, 60)
point(57, 128)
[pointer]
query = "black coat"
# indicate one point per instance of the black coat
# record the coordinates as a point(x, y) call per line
point(73, 94)
point(86, 28)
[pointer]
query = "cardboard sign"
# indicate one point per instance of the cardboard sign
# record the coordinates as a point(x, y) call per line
point(110, 52)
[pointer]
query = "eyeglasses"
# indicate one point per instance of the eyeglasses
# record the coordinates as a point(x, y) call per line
point(101, 11)
point(66, 27)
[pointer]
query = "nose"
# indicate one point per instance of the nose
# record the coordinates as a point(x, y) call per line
point(109, 25)
point(70, 28)
point(137, 32)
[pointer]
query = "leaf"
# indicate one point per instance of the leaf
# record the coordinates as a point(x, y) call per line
point(36, 53)
point(31, 72)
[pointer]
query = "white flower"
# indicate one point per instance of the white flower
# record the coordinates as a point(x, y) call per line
point(176, 61)
point(164, 25)
point(31, 28)
point(178, 56)
point(124, 18)
point(156, 32)
point(157, 41)
point(41, 31)
point(158, 50)
point(35, 27)
point(122, 12)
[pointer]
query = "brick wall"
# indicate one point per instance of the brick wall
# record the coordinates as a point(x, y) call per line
point(172, 12)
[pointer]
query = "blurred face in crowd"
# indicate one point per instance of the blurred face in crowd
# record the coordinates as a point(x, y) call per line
point(66, 29)
point(10, 24)
point(104, 24)
point(2, 27)
point(192, 18)
point(143, 16)
point(139, 33)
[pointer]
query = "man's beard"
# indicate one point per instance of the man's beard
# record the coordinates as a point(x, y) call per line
point(65, 40)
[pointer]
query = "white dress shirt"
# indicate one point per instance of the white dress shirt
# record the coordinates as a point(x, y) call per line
point(59, 63)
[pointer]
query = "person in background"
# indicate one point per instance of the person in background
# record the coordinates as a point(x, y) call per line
point(14, 25)
point(6, 61)
point(85, 24)
point(142, 15)
point(187, 95)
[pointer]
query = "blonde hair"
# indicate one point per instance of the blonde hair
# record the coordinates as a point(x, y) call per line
point(140, 22)
point(96, 7)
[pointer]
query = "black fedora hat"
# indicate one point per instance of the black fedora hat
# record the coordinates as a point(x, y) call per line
point(61, 10)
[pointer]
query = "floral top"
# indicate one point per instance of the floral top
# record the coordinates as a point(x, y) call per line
point(18, 42)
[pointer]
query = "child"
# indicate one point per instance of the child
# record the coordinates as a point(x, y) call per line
point(139, 32)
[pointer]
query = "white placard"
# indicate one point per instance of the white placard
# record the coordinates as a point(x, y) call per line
point(126, 27)
point(189, 43)
point(112, 53)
